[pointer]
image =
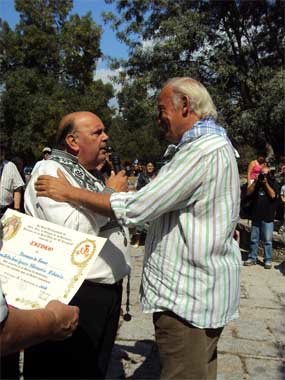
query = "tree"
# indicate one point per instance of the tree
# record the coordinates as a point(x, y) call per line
point(235, 47)
point(135, 129)
point(47, 69)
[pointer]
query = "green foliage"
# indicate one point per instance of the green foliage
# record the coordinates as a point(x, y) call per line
point(80, 41)
point(236, 48)
point(134, 132)
point(247, 154)
point(47, 69)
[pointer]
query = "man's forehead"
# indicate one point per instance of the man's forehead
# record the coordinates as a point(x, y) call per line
point(89, 121)
point(165, 94)
point(80, 119)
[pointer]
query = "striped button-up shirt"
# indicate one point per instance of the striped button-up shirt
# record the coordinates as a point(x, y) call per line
point(10, 181)
point(192, 262)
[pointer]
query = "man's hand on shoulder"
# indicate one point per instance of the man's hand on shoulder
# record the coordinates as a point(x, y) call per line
point(118, 182)
point(56, 188)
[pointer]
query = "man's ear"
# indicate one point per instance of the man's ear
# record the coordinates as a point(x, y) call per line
point(186, 106)
point(71, 142)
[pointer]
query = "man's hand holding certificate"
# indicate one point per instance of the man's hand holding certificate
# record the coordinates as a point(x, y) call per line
point(41, 261)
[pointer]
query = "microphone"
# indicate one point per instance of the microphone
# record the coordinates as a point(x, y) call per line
point(116, 162)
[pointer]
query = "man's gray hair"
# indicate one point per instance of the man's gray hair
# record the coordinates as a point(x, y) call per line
point(200, 100)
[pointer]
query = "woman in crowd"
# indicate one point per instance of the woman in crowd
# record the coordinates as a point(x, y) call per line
point(255, 167)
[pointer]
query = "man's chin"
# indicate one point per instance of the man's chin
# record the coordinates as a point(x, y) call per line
point(162, 133)
point(101, 157)
point(165, 135)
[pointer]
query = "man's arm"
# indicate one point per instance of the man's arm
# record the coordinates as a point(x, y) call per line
point(60, 190)
point(97, 202)
point(23, 328)
point(167, 192)
point(270, 191)
point(17, 199)
point(17, 180)
point(178, 184)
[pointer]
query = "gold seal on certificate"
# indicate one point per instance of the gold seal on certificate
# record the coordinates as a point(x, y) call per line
point(41, 261)
point(83, 252)
point(81, 255)
point(11, 226)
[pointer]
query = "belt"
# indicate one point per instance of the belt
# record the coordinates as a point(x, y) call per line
point(99, 284)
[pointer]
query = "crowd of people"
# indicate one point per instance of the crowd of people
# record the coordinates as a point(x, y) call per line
point(190, 209)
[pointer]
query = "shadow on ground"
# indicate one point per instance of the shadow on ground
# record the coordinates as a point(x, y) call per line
point(143, 356)
point(281, 267)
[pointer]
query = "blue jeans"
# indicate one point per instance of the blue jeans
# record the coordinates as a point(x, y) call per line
point(261, 230)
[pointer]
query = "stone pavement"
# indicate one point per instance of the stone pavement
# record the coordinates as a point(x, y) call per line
point(251, 348)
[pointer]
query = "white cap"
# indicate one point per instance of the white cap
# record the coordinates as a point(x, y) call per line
point(46, 150)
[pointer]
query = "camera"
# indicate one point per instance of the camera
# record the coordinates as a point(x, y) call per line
point(261, 177)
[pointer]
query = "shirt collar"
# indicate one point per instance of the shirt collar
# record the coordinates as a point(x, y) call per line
point(70, 163)
point(64, 154)
point(201, 127)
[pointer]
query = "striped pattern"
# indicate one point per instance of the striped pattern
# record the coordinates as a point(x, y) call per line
point(192, 263)
point(10, 181)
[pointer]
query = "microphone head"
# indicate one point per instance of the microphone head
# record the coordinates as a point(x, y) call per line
point(116, 162)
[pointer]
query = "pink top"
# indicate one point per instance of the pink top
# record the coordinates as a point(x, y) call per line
point(255, 170)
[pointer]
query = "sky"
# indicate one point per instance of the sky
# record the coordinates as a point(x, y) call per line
point(109, 44)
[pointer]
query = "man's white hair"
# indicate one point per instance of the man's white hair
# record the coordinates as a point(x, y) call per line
point(200, 100)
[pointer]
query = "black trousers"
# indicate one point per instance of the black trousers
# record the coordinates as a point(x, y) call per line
point(9, 367)
point(87, 353)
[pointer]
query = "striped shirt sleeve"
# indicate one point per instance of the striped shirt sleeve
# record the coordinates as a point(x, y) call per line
point(170, 190)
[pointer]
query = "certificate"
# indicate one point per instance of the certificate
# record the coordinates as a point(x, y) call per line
point(41, 261)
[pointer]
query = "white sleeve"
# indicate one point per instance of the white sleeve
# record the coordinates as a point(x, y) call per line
point(17, 180)
point(62, 213)
point(3, 306)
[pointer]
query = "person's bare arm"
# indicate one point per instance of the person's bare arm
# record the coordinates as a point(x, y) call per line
point(17, 198)
point(270, 191)
point(98, 202)
point(23, 328)
point(249, 170)
point(60, 190)
point(251, 188)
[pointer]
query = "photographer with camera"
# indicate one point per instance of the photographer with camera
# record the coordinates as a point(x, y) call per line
point(264, 193)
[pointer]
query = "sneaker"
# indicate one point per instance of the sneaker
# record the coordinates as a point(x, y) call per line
point(268, 265)
point(249, 262)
